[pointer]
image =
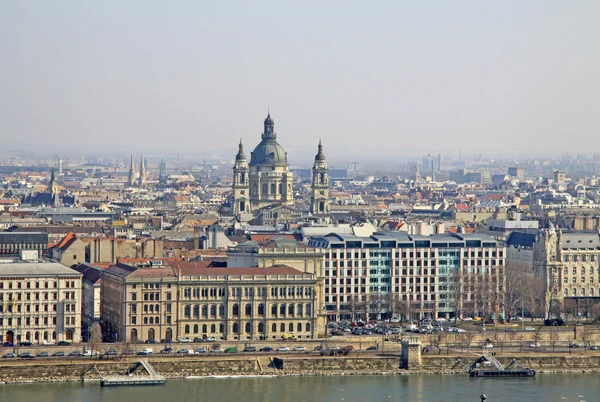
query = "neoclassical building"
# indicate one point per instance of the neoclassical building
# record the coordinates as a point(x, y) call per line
point(266, 179)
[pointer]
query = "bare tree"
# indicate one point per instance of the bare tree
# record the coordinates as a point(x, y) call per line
point(553, 338)
point(514, 290)
point(95, 339)
point(355, 305)
point(376, 304)
point(456, 290)
point(537, 336)
point(397, 306)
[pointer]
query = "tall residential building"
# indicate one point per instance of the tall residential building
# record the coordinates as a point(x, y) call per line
point(269, 177)
point(142, 171)
point(426, 276)
point(241, 183)
point(319, 200)
point(39, 301)
point(162, 170)
point(131, 178)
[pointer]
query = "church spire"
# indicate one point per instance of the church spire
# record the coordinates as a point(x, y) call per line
point(131, 171)
point(240, 155)
point(320, 156)
point(142, 171)
point(269, 131)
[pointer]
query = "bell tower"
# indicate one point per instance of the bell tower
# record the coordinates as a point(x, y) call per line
point(319, 200)
point(241, 183)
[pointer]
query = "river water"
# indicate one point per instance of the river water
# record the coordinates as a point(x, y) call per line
point(409, 388)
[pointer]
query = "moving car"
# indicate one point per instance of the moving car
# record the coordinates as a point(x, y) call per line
point(185, 352)
point(232, 350)
point(300, 349)
point(76, 353)
point(250, 349)
point(59, 354)
point(200, 350)
point(372, 348)
point(283, 349)
point(43, 354)
point(529, 329)
point(534, 345)
point(9, 356)
point(217, 350)
point(111, 352)
point(166, 351)
point(266, 349)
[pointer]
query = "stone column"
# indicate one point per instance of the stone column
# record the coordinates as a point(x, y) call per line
point(411, 355)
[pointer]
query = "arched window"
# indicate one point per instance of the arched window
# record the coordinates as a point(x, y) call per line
point(566, 292)
point(574, 292)
point(187, 329)
point(261, 309)
point(221, 328)
point(195, 328)
point(236, 328)
point(133, 335)
point(236, 309)
point(145, 320)
point(248, 328)
point(204, 328)
point(156, 308)
point(308, 309)
point(282, 309)
point(213, 328)
point(145, 308)
point(280, 189)
point(291, 326)
point(156, 320)
point(583, 291)
point(151, 320)
point(299, 326)
point(273, 309)
point(274, 328)
point(213, 310)
point(291, 309)
point(152, 308)
point(254, 189)
point(265, 189)
point(299, 309)
point(196, 311)
point(205, 311)
point(261, 328)
point(282, 327)
point(221, 310)
point(187, 311)
point(248, 309)
point(151, 334)
point(152, 296)
point(145, 296)
point(273, 189)
point(307, 327)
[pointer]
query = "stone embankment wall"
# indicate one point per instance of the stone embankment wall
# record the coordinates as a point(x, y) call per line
point(540, 363)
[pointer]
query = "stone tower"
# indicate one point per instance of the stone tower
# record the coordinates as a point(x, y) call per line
point(319, 200)
point(142, 171)
point(241, 182)
point(131, 172)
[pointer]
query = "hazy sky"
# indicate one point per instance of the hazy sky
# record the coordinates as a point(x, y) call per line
point(388, 77)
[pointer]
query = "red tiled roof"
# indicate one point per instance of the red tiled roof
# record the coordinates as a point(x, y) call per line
point(67, 240)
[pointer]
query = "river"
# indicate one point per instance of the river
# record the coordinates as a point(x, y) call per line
point(409, 388)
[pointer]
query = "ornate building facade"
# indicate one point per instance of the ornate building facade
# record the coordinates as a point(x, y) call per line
point(269, 180)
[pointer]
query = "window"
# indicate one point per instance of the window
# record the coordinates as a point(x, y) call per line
point(236, 310)
point(274, 328)
point(248, 309)
point(274, 309)
point(187, 329)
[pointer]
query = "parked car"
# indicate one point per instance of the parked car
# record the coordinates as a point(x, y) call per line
point(76, 353)
point(198, 340)
point(63, 343)
point(91, 353)
point(26, 355)
point(266, 349)
point(59, 354)
point(200, 350)
point(144, 353)
point(510, 330)
point(372, 348)
point(43, 354)
point(217, 350)
point(232, 350)
point(184, 340)
point(24, 343)
point(250, 349)
point(283, 349)
point(300, 349)
point(112, 352)
point(9, 356)
point(47, 343)
point(534, 345)
point(8, 344)
point(129, 352)
point(467, 319)
point(211, 339)
point(574, 346)
point(151, 341)
point(185, 352)
point(166, 351)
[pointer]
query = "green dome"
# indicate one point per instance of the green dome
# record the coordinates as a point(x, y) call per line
point(268, 152)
